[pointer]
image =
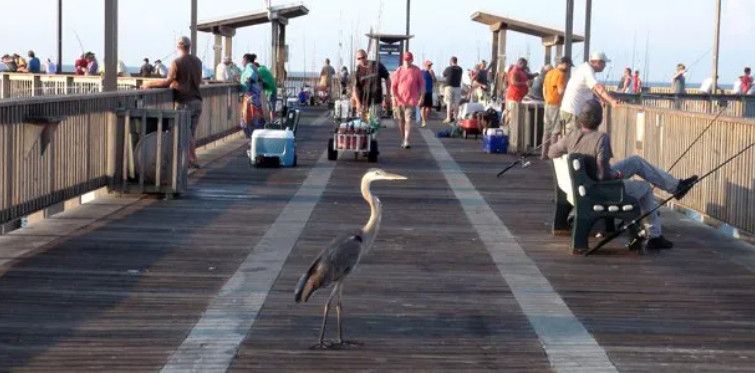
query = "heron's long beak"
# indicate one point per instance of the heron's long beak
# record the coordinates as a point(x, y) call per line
point(390, 176)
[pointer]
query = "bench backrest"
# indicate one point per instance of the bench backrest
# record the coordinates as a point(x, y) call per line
point(563, 177)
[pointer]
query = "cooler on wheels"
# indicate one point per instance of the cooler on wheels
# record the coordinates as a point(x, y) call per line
point(273, 148)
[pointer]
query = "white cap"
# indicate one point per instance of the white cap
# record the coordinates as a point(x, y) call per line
point(599, 56)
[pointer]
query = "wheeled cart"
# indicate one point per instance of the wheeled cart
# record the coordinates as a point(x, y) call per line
point(355, 137)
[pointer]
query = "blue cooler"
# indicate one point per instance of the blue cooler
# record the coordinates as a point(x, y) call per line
point(273, 148)
point(495, 141)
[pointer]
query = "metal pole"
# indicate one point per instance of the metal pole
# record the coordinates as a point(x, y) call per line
point(194, 28)
point(110, 81)
point(588, 22)
point(568, 33)
point(716, 42)
point(60, 37)
point(408, 14)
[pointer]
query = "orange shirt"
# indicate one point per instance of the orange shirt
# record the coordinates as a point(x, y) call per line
point(553, 80)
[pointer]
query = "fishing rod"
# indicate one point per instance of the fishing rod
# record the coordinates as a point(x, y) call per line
point(712, 122)
point(523, 159)
point(626, 226)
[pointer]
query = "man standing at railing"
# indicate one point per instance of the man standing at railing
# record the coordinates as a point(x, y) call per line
point(581, 88)
point(184, 78)
point(554, 87)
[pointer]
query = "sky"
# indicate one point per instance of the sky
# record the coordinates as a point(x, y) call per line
point(671, 31)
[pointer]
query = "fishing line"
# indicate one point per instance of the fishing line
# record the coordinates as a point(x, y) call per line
point(626, 226)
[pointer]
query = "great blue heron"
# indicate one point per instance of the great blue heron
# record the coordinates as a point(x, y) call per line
point(342, 256)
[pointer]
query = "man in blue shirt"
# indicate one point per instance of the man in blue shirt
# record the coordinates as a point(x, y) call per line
point(35, 67)
point(427, 100)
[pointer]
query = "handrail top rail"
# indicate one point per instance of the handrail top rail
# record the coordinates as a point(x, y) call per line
point(688, 114)
point(115, 94)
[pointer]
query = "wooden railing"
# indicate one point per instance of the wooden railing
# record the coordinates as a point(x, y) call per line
point(732, 105)
point(661, 136)
point(58, 147)
point(16, 85)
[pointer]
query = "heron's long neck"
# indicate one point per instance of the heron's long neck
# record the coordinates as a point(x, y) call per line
point(376, 210)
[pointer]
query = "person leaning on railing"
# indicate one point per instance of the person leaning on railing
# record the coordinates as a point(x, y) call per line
point(184, 78)
point(582, 87)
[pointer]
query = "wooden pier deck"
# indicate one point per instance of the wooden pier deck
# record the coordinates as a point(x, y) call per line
point(464, 276)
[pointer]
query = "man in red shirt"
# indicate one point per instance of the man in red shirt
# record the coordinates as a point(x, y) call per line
point(407, 86)
point(745, 81)
point(517, 80)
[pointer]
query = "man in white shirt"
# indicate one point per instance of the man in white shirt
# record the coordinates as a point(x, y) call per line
point(222, 72)
point(50, 67)
point(581, 88)
point(160, 70)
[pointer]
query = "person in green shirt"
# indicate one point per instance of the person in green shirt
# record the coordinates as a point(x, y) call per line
point(268, 86)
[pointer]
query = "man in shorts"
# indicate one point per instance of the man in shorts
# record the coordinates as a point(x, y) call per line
point(452, 94)
point(554, 86)
point(407, 87)
point(185, 77)
point(427, 99)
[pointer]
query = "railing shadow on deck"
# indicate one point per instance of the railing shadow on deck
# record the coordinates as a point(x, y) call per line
point(84, 276)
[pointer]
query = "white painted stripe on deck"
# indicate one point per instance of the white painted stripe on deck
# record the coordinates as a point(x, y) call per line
point(214, 340)
point(570, 348)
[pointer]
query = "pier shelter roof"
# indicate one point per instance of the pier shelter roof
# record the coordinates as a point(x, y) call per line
point(520, 26)
point(250, 19)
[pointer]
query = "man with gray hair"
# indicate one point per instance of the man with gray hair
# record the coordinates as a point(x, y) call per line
point(596, 147)
point(184, 78)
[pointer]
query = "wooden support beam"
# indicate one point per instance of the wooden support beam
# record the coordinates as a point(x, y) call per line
point(110, 80)
point(193, 27)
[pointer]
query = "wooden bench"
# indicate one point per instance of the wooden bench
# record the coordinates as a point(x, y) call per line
point(591, 201)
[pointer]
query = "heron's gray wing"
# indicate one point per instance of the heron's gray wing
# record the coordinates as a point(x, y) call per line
point(333, 264)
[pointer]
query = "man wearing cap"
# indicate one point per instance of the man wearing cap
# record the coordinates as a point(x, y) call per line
point(554, 86)
point(427, 99)
point(581, 88)
point(184, 78)
point(407, 87)
point(367, 93)
point(147, 69)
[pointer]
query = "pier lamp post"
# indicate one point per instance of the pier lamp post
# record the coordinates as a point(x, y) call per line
point(60, 37)
point(408, 17)
point(569, 31)
point(716, 41)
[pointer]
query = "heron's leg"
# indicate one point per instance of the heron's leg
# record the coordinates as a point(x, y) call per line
point(338, 313)
point(325, 313)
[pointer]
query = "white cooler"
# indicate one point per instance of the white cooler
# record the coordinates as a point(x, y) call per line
point(267, 144)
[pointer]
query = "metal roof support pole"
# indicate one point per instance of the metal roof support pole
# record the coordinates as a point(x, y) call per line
point(228, 47)
point(218, 49)
point(193, 26)
point(588, 25)
point(110, 81)
point(408, 18)
point(569, 32)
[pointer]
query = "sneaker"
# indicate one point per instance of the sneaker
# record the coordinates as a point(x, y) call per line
point(424, 124)
point(659, 243)
point(447, 121)
point(684, 186)
point(406, 145)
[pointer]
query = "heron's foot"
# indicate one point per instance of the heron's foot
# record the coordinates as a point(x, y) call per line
point(347, 345)
point(324, 345)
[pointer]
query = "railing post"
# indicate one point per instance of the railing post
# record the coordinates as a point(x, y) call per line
point(36, 86)
point(5, 86)
point(69, 85)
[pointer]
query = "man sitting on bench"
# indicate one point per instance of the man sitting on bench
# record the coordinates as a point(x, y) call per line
point(595, 146)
